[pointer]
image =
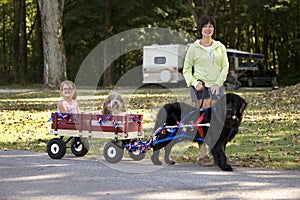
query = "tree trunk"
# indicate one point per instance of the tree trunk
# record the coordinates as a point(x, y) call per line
point(204, 7)
point(193, 9)
point(256, 38)
point(233, 26)
point(108, 73)
point(3, 44)
point(266, 40)
point(53, 44)
point(16, 39)
point(23, 43)
point(39, 35)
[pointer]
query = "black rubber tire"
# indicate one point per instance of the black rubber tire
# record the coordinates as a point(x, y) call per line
point(137, 155)
point(56, 148)
point(113, 152)
point(79, 147)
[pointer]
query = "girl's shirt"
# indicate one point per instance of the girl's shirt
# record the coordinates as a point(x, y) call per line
point(71, 108)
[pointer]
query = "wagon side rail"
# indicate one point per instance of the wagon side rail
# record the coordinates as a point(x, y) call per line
point(97, 125)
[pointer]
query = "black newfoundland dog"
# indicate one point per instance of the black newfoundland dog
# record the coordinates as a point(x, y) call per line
point(224, 118)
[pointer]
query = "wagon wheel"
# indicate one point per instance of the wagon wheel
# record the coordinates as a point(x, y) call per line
point(79, 147)
point(137, 155)
point(113, 152)
point(56, 148)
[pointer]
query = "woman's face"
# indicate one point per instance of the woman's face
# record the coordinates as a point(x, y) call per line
point(207, 30)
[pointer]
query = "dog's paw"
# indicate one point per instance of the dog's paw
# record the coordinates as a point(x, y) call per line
point(227, 168)
point(155, 161)
point(170, 162)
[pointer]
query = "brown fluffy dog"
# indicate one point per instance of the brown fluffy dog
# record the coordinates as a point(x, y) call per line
point(114, 104)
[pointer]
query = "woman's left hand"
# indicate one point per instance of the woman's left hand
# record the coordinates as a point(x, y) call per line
point(215, 89)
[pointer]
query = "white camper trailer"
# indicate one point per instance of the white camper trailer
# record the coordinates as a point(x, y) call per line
point(163, 63)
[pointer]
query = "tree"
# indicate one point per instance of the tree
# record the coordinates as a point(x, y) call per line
point(232, 22)
point(107, 76)
point(53, 44)
point(20, 42)
point(258, 26)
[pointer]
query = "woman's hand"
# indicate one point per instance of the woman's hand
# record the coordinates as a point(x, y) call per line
point(199, 86)
point(215, 89)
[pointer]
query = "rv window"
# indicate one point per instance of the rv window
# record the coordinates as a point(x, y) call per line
point(160, 60)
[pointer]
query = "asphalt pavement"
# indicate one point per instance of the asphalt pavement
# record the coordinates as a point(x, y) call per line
point(31, 175)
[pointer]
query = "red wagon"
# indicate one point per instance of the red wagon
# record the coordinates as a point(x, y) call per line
point(77, 128)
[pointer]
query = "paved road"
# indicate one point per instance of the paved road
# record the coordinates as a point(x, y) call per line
point(30, 175)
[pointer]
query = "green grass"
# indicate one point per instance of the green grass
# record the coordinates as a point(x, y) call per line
point(269, 135)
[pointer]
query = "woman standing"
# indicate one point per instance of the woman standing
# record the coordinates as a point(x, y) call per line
point(206, 65)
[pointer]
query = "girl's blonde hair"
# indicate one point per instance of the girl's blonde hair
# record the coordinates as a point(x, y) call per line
point(71, 84)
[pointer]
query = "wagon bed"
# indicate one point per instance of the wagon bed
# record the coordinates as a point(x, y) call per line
point(78, 128)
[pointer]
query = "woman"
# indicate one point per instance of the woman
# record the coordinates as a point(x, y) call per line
point(68, 103)
point(206, 65)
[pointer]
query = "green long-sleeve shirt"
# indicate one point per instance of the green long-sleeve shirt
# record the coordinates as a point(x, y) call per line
point(210, 70)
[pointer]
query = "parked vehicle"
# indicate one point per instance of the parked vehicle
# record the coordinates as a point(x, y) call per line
point(246, 69)
point(164, 64)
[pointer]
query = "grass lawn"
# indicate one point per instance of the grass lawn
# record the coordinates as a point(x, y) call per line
point(269, 135)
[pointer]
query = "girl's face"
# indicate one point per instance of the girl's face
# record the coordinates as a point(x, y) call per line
point(67, 90)
point(207, 30)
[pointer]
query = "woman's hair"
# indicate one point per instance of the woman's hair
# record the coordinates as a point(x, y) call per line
point(70, 84)
point(203, 21)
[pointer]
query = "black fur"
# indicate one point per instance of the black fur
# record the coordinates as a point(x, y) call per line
point(224, 117)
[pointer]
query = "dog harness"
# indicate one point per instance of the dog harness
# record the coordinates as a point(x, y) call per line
point(200, 129)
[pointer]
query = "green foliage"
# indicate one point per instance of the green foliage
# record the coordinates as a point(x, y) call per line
point(270, 27)
point(258, 28)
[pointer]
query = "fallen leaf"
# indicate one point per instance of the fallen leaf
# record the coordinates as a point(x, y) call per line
point(260, 148)
point(297, 160)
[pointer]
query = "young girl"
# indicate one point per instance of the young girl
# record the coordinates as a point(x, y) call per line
point(68, 103)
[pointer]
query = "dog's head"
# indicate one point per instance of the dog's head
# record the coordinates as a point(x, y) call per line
point(235, 107)
point(114, 104)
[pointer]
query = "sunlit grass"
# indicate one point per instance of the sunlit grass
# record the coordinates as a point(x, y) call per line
point(27, 130)
point(269, 135)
